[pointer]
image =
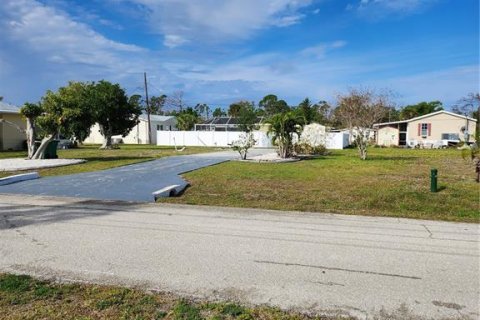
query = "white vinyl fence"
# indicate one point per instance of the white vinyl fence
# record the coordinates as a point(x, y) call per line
point(208, 138)
point(334, 140)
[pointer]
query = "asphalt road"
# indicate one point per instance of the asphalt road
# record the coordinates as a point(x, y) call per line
point(135, 182)
point(311, 262)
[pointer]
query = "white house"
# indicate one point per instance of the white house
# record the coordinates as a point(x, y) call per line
point(12, 126)
point(139, 133)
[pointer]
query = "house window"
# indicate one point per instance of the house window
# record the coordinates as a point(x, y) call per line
point(424, 129)
point(159, 127)
point(450, 136)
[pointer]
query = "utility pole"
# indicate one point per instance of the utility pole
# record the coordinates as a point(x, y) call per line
point(148, 109)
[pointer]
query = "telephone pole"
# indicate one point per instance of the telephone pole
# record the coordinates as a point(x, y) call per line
point(148, 109)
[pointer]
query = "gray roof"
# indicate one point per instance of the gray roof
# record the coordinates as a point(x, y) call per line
point(8, 108)
point(156, 118)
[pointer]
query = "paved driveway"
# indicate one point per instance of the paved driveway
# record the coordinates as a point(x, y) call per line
point(130, 183)
point(310, 262)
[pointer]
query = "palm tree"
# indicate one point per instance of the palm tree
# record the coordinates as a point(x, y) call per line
point(282, 127)
point(473, 152)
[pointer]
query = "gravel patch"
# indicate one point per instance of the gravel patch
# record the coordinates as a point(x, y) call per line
point(19, 164)
point(270, 157)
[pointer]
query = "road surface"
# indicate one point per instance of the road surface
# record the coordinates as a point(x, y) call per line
point(325, 263)
point(135, 182)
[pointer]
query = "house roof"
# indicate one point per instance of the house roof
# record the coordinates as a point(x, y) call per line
point(156, 118)
point(8, 108)
point(425, 116)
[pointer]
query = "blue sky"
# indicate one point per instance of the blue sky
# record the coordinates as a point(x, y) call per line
point(221, 51)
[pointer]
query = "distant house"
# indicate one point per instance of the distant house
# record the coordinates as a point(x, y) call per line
point(429, 129)
point(12, 124)
point(139, 133)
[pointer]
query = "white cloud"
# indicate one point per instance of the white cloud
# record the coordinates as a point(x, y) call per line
point(319, 51)
point(219, 20)
point(172, 41)
point(44, 47)
point(377, 9)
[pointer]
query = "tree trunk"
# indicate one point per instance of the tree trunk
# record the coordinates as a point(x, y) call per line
point(30, 138)
point(107, 143)
point(363, 151)
point(40, 153)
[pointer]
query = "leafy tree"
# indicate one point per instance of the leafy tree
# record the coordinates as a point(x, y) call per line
point(66, 112)
point(218, 112)
point(283, 127)
point(247, 117)
point(272, 105)
point(420, 109)
point(234, 109)
point(186, 119)
point(358, 110)
point(115, 113)
point(156, 104)
point(31, 112)
point(308, 112)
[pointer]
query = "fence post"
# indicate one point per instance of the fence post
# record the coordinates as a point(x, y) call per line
point(433, 180)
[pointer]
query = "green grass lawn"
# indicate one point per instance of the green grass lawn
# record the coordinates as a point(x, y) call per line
point(104, 159)
point(392, 182)
point(22, 297)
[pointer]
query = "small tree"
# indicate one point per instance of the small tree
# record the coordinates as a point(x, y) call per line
point(243, 144)
point(115, 113)
point(358, 110)
point(31, 112)
point(283, 127)
point(247, 119)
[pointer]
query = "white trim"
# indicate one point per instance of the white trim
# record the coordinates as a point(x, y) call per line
point(425, 116)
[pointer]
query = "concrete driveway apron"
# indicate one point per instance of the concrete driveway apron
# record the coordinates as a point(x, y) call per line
point(134, 182)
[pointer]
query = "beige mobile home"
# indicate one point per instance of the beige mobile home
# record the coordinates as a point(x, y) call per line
point(139, 133)
point(12, 127)
point(430, 129)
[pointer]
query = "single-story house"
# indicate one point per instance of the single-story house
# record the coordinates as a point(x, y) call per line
point(430, 129)
point(12, 127)
point(139, 133)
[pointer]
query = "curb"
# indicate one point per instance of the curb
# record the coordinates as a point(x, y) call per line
point(18, 178)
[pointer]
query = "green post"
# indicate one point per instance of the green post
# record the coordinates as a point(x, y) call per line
point(433, 180)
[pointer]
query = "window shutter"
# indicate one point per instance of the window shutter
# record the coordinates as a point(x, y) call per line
point(429, 129)
point(419, 129)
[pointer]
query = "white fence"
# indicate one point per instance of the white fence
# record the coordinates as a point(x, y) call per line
point(334, 140)
point(337, 140)
point(208, 138)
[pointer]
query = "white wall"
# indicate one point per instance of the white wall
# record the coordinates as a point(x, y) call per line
point(337, 140)
point(208, 138)
point(334, 140)
point(138, 134)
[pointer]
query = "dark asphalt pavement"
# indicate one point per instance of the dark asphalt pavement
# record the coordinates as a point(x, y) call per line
point(134, 182)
